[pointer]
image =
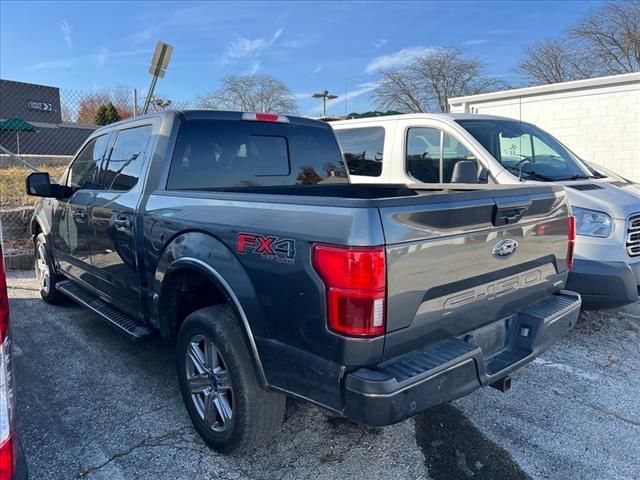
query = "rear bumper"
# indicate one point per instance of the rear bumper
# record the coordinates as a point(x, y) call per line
point(404, 386)
point(604, 284)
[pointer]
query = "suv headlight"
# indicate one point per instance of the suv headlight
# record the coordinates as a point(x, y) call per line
point(591, 223)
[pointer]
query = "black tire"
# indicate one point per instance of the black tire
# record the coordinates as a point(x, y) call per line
point(256, 413)
point(44, 268)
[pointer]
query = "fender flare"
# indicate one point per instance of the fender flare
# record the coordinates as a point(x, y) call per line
point(191, 260)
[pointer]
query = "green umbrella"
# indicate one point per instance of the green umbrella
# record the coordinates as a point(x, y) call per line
point(17, 125)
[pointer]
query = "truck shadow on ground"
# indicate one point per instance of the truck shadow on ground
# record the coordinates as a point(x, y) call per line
point(454, 448)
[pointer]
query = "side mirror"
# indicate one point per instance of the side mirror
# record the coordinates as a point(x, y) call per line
point(39, 185)
point(483, 176)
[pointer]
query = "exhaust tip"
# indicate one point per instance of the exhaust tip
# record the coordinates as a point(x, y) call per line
point(504, 384)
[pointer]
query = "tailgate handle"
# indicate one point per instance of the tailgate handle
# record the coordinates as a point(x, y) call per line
point(507, 213)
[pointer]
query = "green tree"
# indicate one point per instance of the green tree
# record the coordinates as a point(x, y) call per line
point(106, 114)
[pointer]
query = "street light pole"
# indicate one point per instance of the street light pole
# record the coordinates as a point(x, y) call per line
point(324, 95)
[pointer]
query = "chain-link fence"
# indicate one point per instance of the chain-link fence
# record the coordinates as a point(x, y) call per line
point(42, 127)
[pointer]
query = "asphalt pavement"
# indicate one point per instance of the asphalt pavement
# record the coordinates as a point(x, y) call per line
point(93, 405)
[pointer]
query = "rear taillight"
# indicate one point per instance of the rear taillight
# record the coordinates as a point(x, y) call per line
point(572, 241)
point(7, 456)
point(7, 445)
point(355, 282)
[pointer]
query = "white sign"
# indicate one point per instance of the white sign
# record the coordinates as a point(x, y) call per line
point(160, 60)
point(40, 106)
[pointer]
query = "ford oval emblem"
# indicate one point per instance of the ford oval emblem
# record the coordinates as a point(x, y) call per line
point(505, 248)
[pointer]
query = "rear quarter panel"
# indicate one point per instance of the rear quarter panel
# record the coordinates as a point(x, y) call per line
point(283, 298)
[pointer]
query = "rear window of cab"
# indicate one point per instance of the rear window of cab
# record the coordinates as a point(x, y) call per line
point(212, 154)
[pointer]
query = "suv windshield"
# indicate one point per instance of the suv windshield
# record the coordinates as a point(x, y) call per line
point(526, 150)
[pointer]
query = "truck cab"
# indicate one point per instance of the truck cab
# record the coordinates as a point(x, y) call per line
point(470, 148)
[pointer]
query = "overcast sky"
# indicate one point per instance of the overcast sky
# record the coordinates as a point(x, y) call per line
point(309, 45)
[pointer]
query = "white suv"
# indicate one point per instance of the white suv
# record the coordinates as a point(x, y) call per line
point(467, 148)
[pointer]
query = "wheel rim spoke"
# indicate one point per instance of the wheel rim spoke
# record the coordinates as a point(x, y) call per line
point(210, 355)
point(210, 410)
point(199, 383)
point(197, 357)
point(223, 408)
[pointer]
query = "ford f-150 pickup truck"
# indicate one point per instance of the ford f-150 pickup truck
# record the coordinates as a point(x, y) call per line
point(238, 236)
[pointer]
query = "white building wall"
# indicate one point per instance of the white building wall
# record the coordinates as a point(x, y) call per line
point(599, 119)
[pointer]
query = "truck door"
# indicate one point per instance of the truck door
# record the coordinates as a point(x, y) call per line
point(70, 216)
point(112, 236)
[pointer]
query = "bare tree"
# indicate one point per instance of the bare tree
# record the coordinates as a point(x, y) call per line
point(122, 99)
point(605, 42)
point(560, 60)
point(429, 82)
point(251, 93)
point(612, 34)
point(401, 90)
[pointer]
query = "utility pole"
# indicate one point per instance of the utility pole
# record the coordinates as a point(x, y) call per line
point(324, 95)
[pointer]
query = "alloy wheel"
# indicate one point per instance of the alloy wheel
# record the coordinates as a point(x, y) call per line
point(42, 269)
point(209, 383)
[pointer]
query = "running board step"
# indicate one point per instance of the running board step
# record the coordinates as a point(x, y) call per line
point(126, 324)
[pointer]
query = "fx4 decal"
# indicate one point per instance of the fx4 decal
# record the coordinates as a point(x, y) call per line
point(276, 249)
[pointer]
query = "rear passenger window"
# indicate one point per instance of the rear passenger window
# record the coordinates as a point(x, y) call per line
point(362, 149)
point(432, 156)
point(423, 154)
point(127, 158)
point(212, 154)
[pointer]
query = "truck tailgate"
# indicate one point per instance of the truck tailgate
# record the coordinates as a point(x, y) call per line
point(464, 259)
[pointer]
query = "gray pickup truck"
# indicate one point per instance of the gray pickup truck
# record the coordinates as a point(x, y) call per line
point(239, 237)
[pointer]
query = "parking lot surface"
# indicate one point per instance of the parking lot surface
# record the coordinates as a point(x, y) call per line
point(91, 404)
